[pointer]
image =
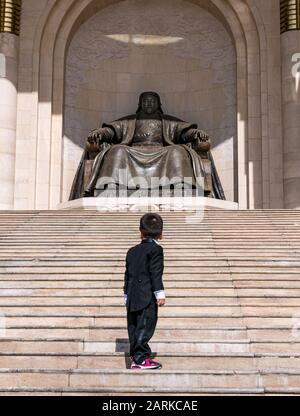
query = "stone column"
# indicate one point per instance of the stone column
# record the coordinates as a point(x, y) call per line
point(290, 45)
point(9, 50)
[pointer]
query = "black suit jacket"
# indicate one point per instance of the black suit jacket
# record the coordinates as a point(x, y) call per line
point(143, 275)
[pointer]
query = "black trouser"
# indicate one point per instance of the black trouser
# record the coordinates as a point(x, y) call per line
point(141, 326)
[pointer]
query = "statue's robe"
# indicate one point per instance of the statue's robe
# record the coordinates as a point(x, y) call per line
point(172, 159)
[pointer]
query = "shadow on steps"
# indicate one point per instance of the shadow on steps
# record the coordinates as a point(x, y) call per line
point(122, 345)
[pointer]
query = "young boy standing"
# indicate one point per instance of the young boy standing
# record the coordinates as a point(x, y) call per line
point(144, 291)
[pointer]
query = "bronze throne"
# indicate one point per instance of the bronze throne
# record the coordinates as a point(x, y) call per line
point(149, 144)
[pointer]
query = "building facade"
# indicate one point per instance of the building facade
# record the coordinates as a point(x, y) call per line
point(232, 66)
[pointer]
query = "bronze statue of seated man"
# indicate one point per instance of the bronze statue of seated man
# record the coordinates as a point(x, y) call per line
point(147, 145)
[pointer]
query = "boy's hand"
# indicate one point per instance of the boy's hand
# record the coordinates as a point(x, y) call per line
point(161, 302)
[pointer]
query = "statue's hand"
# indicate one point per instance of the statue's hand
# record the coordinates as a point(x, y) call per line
point(95, 137)
point(201, 136)
point(201, 141)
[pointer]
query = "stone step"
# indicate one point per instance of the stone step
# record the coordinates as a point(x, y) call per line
point(174, 379)
point(171, 346)
point(182, 311)
point(210, 292)
point(170, 221)
point(117, 361)
point(182, 378)
point(121, 346)
point(288, 334)
point(103, 262)
point(231, 255)
point(94, 215)
point(107, 392)
point(221, 242)
point(200, 276)
point(255, 335)
point(287, 348)
point(221, 219)
point(204, 236)
point(118, 284)
point(48, 224)
point(66, 278)
point(119, 311)
point(206, 257)
point(200, 236)
point(224, 224)
point(282, 334)
point(279, 284)
point(205, 248)
point(207, 251)
point(230, 324)
point(168, 241)
point(277, 379)
point(190, 292)
point(105, 240)
point(195, 321)
point(111, 334)
point(239, 249)
point(272, 301)
point(286, 264)
point(181, 217)
point(116, 322)
point(170, 283)
point(96, 301)
point(170, 227)
point(91, 241)
point(198, 261)
point(273, 322)
point(120, 269)
point(220, 224)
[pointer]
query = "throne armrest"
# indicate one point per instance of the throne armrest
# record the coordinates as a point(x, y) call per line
point(203, 151)
point(208, 184)
point(88, 167)
point(92, 153)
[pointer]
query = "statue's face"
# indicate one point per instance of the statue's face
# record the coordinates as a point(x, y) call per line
point(150, 104)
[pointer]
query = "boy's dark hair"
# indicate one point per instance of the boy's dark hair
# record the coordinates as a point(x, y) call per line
point(151, 225)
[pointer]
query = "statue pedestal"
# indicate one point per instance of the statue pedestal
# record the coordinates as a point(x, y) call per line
point(142, 204)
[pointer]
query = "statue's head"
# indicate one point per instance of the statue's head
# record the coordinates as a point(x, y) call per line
point(149, 103)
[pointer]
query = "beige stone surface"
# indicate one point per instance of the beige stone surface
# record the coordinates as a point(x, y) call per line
point(125, 49)
point(233, 312)
point(253, 31)
point(140, 204)
point(291, 117)
point(9, 48)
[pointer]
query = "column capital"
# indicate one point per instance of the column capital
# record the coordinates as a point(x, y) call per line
point(289, 15)
point(10, 16)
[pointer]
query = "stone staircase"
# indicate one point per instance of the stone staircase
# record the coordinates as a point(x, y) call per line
point(231, 324)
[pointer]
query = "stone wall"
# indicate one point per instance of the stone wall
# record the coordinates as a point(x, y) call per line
point(28, 83)
point(47, 144)
point(290, 42)
point(9, 48)
point(173, 47)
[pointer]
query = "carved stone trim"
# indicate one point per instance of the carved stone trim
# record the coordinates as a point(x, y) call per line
point(10, 16)
point(289, 15)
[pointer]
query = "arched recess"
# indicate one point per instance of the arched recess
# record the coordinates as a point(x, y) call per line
point(53, 37)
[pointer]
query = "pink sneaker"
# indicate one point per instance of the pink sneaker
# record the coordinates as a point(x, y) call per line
point(148, 364)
